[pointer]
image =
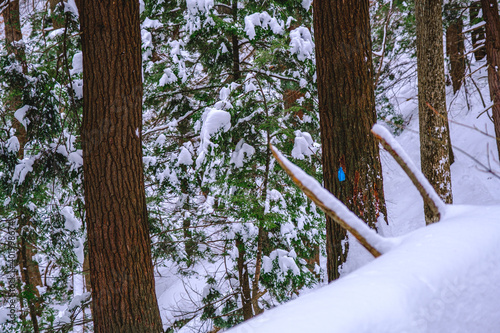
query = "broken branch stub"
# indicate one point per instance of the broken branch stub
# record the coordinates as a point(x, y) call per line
point(429, 195)
point(374, 243)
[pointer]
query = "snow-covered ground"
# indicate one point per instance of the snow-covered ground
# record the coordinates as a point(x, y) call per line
point(440, 278)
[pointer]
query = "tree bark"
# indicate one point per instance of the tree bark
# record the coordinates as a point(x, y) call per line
point(434, 133)
point(490, 15)
point(121, 271)
point(246, 298)
point(347, 114)
point(455, 48)
point(477, 35)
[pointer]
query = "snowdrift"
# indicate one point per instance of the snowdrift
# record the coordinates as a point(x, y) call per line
point(441, 278)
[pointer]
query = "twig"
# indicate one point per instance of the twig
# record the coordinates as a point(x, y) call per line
point(464, 125)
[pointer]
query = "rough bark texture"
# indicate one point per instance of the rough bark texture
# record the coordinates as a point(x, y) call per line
point(477, 35)
point(347, 112)
point(434, 133)
point(490, 15)
point(121, 271)
point(455, 48)
point(30, 272)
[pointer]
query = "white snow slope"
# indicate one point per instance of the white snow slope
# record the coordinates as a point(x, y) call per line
point(441, 278)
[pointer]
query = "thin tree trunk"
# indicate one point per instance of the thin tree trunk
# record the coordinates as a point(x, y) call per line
point(121, 270)
point(235, 44)
point(57, 18)
point(455, 48)
point(246, 299)
point(347, 113)
point(30, 272)
point(490, 15)
point(434, 133)
point(477, 35)
point(246, 296)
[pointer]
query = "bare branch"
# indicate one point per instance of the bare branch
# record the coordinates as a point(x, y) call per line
point(374, 243)
point(431, 198)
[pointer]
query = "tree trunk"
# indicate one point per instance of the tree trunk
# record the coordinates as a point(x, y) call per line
point(121, 271)
point(434, 133)
point(235, 44)
point(490, 15)
point(477, 35)
point(246, 298)
point(347, 113)
point(455, 48)
point(57, 17)
point(30, 272)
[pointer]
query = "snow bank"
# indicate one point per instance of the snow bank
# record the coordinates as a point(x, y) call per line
point(441, 278)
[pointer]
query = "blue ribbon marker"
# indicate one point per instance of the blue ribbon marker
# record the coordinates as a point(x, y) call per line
point(341, 174)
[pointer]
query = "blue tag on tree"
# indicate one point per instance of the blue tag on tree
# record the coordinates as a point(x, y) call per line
point(341, 174)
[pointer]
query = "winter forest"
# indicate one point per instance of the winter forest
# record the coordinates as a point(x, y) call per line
point(249, 166)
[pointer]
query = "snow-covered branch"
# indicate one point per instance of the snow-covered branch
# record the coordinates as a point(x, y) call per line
point(431, 198)
point(334, 208)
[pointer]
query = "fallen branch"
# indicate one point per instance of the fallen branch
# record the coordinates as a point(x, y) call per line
point(431, 198)
point(373, 242)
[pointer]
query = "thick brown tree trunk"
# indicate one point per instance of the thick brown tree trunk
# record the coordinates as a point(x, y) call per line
point(434, 133)
point(347, 113)
point(455, 48)
point(30, 272)
point(490, 15)
point(477, 35)
point(121, 270)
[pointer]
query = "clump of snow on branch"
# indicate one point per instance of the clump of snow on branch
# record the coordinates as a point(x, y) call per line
point(242, 149)
point(301, 43)
point(71, 222)
point(303, 145)
point(20, 115)
point(213, 121)
point(168, 77)
point(265, 21)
